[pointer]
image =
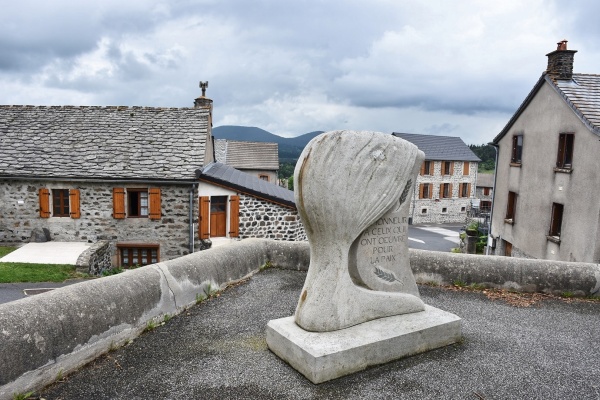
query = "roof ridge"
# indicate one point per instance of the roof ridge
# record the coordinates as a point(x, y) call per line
point(70, 107)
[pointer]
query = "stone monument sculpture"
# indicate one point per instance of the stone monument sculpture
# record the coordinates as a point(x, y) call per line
point(360, 298)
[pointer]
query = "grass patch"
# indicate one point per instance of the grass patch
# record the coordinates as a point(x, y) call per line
point(4, 250)
point(24, 272)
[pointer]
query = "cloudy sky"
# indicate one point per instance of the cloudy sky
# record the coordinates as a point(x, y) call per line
point(456, 68)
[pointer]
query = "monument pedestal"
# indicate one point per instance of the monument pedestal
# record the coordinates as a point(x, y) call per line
point(322, 356)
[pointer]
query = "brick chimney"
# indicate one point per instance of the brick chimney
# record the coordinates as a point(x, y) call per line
point(560, 61)
point(204, 102)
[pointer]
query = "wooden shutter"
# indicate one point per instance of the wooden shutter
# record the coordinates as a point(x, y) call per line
point(44, 202)
point(430, 190)
point(234, 216)
point(449, 190)
point(468, 190)
point(441, 191)
point(154, 200)
point(421, 188)
point(466, 168)
point(74, 203)
point(451, 167)
point(119, 203)
point(422, 168)
point(204, 217)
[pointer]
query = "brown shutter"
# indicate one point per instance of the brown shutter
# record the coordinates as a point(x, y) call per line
point(449, 190)
point(460, 189)
point(118, 203)
point(204, 218)
point(451, 167)
point(468, 190)
point(74, 203)
point(44, 202)
point(441, 191)
point(466, 168)
point(234, 216)
point(421, 188)
point(422, 169)
point(154, 200)
point(430, 190)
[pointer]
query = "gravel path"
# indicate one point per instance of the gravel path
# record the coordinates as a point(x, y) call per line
point(217, 350)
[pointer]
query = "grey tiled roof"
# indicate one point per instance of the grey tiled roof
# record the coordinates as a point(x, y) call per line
point(485, 180)
point(247, 155)
point(440, 148)
point(236, 179)
point(582, 94)
point(102, 142)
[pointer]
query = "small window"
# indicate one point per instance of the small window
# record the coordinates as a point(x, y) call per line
point(447, 167)
point(446, 190)
point(138, 254)
point(425, 191)
point(465, 189)
point(511, 207)
point(486, 191)
point(423, 211)
point(264, 177)
point(463, 209)
point(517, 149)
point(427, 168)
point(137, 203)
point(444, 210)
point(556, 221)
point(60, 202)
point(565, 151)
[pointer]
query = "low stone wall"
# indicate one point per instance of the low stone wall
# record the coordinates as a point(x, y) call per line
point(264, 219)
point(59, 331)
point(96, 258)
point(526, 275)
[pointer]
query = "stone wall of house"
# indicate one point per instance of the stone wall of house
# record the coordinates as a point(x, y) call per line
point(19, 215)
point(264, 219)
point(97, 258)
point(437, 210)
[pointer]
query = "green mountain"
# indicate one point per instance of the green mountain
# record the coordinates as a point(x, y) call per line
point(289, 148)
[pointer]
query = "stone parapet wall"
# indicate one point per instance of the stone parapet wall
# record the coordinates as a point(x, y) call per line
point(264, 219)
point(19, 215)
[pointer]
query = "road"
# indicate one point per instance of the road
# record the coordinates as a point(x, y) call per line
point(440, 237)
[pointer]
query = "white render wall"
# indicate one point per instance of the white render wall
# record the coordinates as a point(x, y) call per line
point(434, 207)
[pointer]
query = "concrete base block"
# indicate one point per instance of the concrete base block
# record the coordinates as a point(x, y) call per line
point(322, 356)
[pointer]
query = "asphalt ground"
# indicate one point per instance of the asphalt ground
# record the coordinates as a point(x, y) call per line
point(217, 350)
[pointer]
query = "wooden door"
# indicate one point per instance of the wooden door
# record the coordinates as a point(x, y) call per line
point(218, 216)
point(507, 249)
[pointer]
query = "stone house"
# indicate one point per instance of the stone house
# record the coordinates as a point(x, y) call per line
point(484, 191)
point(547, 180)
point(260, 159)
point(127, 176)
point(445, 185)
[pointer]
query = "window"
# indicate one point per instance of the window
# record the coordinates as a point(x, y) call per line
point(444, 209)
point(447, 167)
point(466, 169)
point(65, 203)
point(427, 168)
point(423, 211)
point(141, 203)
point(463, 209)
point(264, 177)
point(464, 190)
point(137, 203)
point(556, 221)
point(132, 255)
point(511, 207)
point(60, 202)
point(425, 191)
point(517, 149)
point(445, 190)
point(564, 159)
point(486, 191)
point(216, 216)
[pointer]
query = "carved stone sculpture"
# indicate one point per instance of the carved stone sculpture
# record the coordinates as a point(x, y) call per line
point(354, 210)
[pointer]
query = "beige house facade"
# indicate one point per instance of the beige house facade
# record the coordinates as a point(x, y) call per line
point(547, 177)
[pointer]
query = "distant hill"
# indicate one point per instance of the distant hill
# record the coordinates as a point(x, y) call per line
point(289, 148)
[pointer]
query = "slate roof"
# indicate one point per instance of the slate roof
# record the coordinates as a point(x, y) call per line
point(228, 176)
point(247, 155)
point(440, 148)
point(102, 142)
point(485, 180)
point(582, 94)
